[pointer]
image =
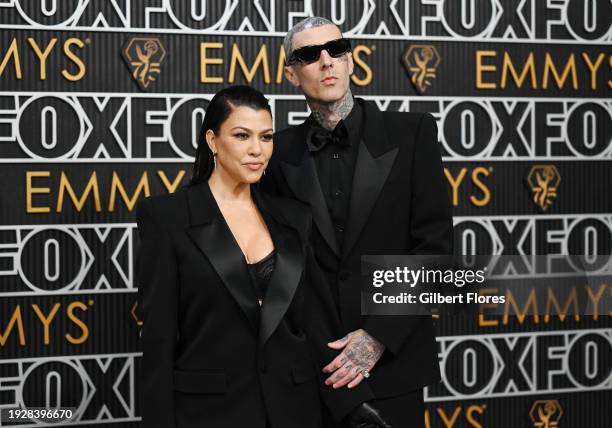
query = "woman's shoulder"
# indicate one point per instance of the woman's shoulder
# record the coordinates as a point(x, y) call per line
point(164, 207)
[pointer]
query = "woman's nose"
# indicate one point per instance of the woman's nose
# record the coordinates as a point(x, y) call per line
point(255, 147)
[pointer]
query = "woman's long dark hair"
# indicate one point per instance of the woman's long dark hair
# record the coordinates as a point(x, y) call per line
point(217, 112)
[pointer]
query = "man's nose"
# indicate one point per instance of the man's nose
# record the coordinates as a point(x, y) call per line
point(325, 60)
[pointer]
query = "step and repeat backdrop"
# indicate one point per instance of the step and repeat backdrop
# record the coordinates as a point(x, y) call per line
point(100, 105)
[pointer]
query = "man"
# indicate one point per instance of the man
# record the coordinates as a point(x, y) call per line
point(375, 183)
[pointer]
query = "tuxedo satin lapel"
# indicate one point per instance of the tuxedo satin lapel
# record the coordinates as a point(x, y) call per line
point(214, 238)
point(284, 281)
point(375, 159)
point(304, 183)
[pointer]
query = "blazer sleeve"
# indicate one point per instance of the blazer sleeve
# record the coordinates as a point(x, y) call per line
point(156, 279)
point(431, 225)
point(320, 329)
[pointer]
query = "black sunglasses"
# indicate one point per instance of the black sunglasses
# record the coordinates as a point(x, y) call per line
point(311, 53)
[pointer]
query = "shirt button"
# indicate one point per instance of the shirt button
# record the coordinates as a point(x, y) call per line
point(338, 193)
point(336, 155)
point(340, 228)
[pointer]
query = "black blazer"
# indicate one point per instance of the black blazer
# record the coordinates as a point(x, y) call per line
point(211, 356)
point(399, 204)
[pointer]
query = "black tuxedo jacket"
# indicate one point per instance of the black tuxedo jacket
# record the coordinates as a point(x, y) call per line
point(399, 204)
point(211, 356)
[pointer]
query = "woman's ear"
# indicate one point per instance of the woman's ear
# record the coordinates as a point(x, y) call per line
point(210, 140)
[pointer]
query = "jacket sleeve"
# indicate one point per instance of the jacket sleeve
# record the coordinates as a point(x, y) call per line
point(321, 328)
point(431, 226)
point(156, 279)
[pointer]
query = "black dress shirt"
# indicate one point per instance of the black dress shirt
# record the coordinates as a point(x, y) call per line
point(335, 164)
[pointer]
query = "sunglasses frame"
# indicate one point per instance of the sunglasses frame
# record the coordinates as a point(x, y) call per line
point(293, 59)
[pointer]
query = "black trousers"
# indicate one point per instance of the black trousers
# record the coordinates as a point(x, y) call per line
point(402, 411)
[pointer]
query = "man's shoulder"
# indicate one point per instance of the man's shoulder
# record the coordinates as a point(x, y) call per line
point(290, 134)
point(295, 213)
point(289, 143)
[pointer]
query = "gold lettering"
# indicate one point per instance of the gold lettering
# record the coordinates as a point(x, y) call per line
point(520, 315)
point(470, 411)
point(15, 320)
point(482, 322)
point(528, 67)
point(116, 185)
point(596, 298)
point(552, 301)
point(46, 321)
point(75, 59)
point(12, 52)
point(367, 79)
point(34, 190)
point(455, 183)
point(609, 81)
point(280, 68)
point(593, 67)
point(171, 187)
point(481, 68)
point(42, 56)
point(261, 58)
point(205, 61)
point(449, 423)
point(483, 188)
point(426, 417)
point(70, 312)
point(92, 184)
point(549, 67)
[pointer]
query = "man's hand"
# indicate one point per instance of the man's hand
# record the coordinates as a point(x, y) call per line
point(361, 351)
point(366, 416)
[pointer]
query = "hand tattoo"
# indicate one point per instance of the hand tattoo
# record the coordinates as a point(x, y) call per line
point(363, 350)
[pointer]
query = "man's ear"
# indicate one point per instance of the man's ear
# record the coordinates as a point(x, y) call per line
point(351, 64)
point(210, 140)
point(291, 76)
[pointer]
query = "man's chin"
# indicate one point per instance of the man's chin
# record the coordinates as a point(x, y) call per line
point(329, 97)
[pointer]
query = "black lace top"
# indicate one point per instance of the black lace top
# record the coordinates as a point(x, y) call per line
point(261, 272)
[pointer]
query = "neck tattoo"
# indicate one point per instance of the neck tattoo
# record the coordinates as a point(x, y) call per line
point(329, 114)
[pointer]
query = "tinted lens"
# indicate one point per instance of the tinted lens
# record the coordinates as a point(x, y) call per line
point(308, 54)
point(338, 47)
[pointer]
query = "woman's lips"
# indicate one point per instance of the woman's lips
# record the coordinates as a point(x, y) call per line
point(254, 166)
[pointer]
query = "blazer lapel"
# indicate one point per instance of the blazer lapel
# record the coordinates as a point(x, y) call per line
point(304, 183)
point(375, 158)
point(287, 270)
point(210, 233)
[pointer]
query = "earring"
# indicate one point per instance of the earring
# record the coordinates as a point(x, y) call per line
point(264, 173)
point(215, 160)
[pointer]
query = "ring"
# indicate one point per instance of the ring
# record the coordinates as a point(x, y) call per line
point(366, 374)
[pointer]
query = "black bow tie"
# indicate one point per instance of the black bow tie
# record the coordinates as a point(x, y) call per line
point(320, 137)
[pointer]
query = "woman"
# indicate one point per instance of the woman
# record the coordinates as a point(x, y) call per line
point(220, 286)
